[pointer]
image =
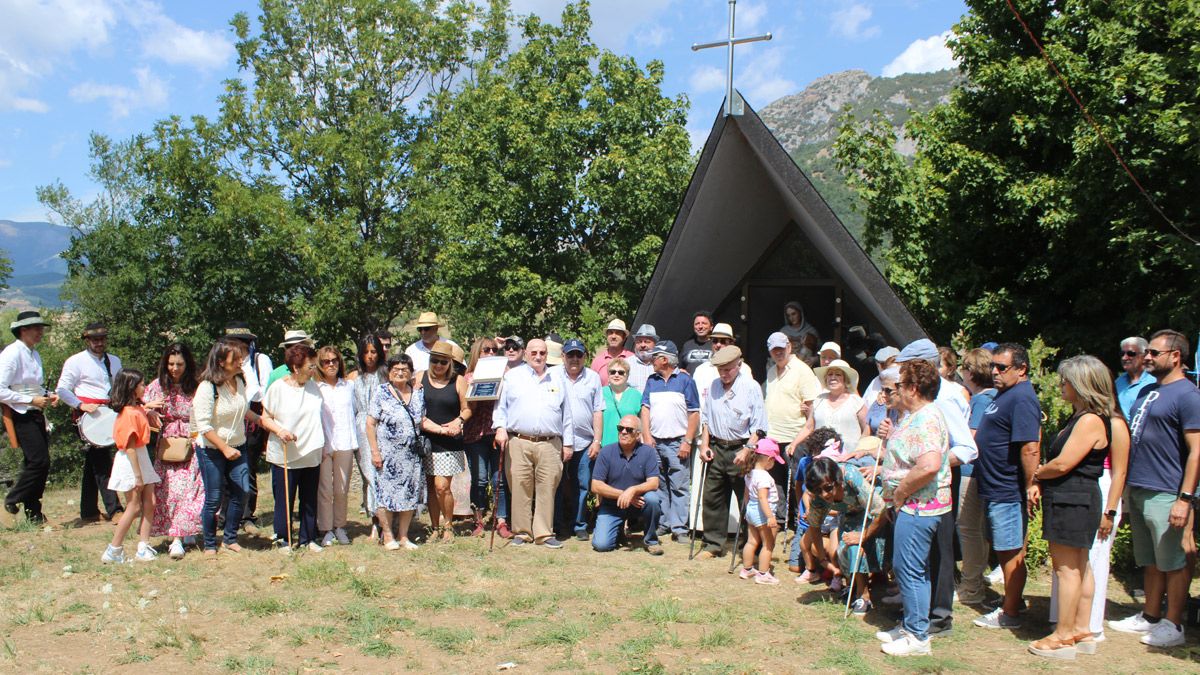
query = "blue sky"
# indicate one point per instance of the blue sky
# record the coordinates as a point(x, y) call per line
point(70, 67)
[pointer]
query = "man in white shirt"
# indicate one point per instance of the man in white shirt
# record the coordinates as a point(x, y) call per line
point(256, 368)
point(83, 385)
point(641, 364)
point(706, 373)
point(790, 384)
point(587, 414)
point(427, 326)
point(24, 396)
point(533, 424)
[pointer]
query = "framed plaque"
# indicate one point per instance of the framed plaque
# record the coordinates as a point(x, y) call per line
point(486, 380)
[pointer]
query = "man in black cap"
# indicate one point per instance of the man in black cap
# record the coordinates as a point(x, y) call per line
point(24, 396)
point(83, 385)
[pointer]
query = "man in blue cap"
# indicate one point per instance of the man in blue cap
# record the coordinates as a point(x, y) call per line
point(670, 419)
point(586, 400)
point(952, 401)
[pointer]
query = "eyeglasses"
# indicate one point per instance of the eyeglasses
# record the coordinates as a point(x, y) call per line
point(827, 488)
point(439, 362)
point(329, 362)
point(888, 391)
point(1131, 354)
point(722, 341)
point(488, 350)
point(511, 348)
point(532, 352)
point(425, 328)
point(626, 430)
point(1159, 352)
point(1001, 367)
point(616, 372)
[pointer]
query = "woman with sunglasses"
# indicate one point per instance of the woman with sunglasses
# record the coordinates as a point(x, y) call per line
point(916, 484)
point(620, 400)
point(341, 442)
point(479, 438)
point(446, 413)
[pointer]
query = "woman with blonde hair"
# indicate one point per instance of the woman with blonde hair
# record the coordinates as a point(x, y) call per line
point(341, 442)
point(1073, 505)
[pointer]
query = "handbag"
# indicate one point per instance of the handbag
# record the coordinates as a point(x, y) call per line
point(174, 449)
point(420, 445)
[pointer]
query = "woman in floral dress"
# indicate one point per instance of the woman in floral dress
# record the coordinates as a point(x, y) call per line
point(392, 432)
point(179, 497)
point(371, 373)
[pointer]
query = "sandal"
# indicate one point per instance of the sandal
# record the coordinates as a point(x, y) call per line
point(1053, 648)
point(1085, 643)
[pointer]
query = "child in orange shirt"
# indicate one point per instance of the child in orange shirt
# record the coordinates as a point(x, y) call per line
point(132, 472)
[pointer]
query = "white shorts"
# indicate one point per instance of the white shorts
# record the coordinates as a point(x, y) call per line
point(122, 478)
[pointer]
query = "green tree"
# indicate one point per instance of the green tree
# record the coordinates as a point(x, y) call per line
point(340, 93)
point(552, 178)
point(1013, 219)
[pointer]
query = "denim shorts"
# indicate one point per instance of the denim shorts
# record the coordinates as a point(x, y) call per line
point(831, 523)
point(754, 514)
point(1005, 525)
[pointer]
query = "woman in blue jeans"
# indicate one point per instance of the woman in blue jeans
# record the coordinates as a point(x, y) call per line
point(916, 483)
point(220, 411)
point(479, 441)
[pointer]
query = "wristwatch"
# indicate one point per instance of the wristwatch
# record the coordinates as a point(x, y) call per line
point(1111, 513)
point(1187, 497)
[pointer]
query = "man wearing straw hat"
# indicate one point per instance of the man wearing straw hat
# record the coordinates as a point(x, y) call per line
point(614, 338)
point(24, 396)
point(428, 324)
point(83, 385)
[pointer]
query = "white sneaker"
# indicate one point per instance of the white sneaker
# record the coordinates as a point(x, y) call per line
point(1136, 624)
point(392, 546)
point(176, 550)
point(1165, 633)
point(145, 555)
point(113, 554)
point(341, 536)
point(906, 646)
point(315, 547)
point(328, 540)
point(886, 636)
point(997, 619)
point(996, 576)
point(409, 546)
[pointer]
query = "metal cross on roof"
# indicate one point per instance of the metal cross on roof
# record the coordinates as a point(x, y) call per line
point(729, 44)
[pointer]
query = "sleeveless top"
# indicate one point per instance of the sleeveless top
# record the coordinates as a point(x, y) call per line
point(843, 419)
point(441, 406)
point(1090, 468)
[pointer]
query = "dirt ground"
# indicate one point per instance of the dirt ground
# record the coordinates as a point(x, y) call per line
point(456, 608)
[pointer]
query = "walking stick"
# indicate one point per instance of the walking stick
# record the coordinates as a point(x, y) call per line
point(737, 533)
point(696, 511)
point(863, 529)
point(287, 498)
point(496, 500)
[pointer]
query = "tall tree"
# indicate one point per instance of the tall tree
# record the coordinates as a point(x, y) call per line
point(552, 179)
point(340, 92)
point(1014, 219)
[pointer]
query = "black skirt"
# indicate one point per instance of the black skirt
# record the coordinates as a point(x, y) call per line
point(1071, 513)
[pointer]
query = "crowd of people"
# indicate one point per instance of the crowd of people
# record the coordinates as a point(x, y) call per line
point(886, 486)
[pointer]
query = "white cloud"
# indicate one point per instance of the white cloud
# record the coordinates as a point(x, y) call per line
point(168, 41)
point(652, 36)
point(705, 79)
point(749, 17)
point(923, 56)
point(848, 22)
point(151, 93)
point(761, 81)
point(36, 37)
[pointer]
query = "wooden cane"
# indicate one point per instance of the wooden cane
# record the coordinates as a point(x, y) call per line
point(496, 500)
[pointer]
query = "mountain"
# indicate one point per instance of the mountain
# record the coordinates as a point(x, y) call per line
point(38, 271)
point(807, 123)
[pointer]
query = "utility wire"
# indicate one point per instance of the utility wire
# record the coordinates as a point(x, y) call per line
point(1099, 132)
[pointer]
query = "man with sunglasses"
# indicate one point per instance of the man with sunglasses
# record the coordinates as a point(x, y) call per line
point(626, 479)
point(428, 324)
point(1009, 440)
point(514, 350)
point(1164, 467)
point(706, 373)
point(1130, 383)
point(587, 414)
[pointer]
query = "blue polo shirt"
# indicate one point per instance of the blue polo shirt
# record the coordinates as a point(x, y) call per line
point(614, 470)
point(670, 401)
point(1013, 419)
point(1128, 393)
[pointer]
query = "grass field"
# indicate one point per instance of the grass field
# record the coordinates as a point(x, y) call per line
point(455, 608)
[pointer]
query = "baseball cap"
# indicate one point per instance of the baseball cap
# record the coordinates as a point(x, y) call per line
point(665, 347)
point(777, 340)
point(574, 345)
point(769, 448)
point(885, 354)
point(831, 347)
point(923, 349)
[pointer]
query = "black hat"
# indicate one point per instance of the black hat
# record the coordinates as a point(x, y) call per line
point(240, 330)
point(27, 318)
point(96, 329)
